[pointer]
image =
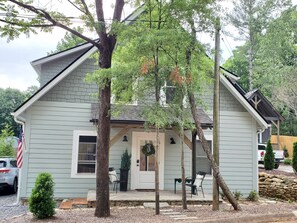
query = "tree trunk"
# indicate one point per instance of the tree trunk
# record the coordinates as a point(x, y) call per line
point(250, 58)
point(216, 173)
point(157, 192)
point(102, 150)
point(106, 47)
point(184, 195)
point(216, 117)
point(103, 137)
point(215, 168)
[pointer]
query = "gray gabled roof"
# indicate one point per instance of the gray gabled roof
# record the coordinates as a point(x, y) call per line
point(133, 114)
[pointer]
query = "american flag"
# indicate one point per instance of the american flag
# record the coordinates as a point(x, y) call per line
point(20, 149)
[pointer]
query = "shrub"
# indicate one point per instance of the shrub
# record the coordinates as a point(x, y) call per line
point(288, 162)
point(286, 152)
point(294, 159)
point(237, 195)
point(253, 196)
point(269, 157)
point(126, 160)
point(41, 201)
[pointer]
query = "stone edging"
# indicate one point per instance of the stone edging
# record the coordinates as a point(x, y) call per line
point(277, 186)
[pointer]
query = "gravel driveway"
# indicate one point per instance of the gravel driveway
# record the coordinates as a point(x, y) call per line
point(8, 206)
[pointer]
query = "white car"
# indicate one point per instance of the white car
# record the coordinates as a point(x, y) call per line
point(278, 155)
point(9, 174)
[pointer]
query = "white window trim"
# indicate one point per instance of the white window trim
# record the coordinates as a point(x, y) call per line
point(75, 144)
point(163, 97)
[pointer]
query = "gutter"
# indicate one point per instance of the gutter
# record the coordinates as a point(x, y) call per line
point(22, 121)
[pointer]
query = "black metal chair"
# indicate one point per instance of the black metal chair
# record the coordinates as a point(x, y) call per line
point(114, 179)
point(197, 183)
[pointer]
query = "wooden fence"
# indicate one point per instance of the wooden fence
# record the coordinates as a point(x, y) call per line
point(285, 141)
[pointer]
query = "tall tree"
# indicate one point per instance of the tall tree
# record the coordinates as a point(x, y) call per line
point(39, 16)
point(181, 59)
point(251, 18)
point(274, 67)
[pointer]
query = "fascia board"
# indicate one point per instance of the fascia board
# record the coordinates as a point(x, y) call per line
point(244, 102)
point(233, 77)
point(55, 81)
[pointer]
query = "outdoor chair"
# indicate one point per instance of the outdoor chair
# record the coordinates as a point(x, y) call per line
point(114, 179)
point(197, 183)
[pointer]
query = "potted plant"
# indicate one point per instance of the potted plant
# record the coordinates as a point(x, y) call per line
point(124, 170)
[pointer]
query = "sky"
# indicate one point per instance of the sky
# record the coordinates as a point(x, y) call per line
point(15, 56)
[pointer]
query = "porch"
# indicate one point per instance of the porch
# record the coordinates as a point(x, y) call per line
point(137, 198)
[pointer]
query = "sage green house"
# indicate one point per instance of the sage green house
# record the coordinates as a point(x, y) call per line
point(59, 123)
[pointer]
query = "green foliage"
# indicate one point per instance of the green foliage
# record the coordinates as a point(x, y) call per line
point(269, 157)
point(238, 64)
point(237, 195)
point(286, 152)
point(125, 160)
point(41, 201)
point(288, 162)
point(6, 142)
point(69, 40)
point(253, 196)
point(30, 91)
point(10, 99)
point(294, 159)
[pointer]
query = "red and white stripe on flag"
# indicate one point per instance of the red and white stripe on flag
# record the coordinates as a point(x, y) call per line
point(20, 150)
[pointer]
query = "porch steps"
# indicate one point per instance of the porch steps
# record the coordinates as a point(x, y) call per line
point(176, 216)
point(74, 203)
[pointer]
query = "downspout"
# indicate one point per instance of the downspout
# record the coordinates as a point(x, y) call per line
point(21, 121)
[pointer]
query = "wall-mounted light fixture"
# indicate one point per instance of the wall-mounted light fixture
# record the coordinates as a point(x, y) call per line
point(172, 141)
point(125, 139)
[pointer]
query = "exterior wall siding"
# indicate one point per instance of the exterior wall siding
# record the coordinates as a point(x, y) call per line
point(51, 69)
point(227, 101)
point(173, 160)
point(49, 137)
point(73, 88)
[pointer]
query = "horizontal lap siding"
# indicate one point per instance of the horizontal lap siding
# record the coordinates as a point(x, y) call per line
point(236, 151)
point(173, 161)
point(50, 146)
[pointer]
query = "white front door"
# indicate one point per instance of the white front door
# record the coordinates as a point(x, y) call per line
point(142, 166)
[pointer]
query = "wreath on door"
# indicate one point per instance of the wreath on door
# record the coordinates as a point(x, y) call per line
point(148, 149)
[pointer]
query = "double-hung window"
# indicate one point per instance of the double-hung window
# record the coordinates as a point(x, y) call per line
point(170, 91)
point(84, 154)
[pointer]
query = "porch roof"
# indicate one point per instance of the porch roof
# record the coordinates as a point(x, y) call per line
point(262, 105)
point(133, 114)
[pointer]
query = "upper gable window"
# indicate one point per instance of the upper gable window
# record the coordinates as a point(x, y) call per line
point(170, 92)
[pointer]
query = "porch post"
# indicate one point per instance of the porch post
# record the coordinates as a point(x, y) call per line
point(194, 134)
